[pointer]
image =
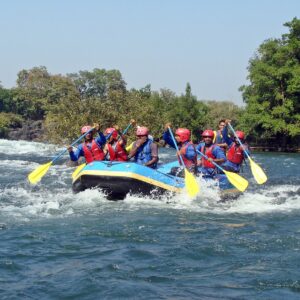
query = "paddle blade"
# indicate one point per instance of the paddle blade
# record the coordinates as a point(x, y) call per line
point(238, 181)
point(257, 172)
point(78, 169)
point(191, 184)
point(36, 175)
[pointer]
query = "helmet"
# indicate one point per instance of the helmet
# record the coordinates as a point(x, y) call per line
point(208, 133)
point(111, 131)
point(184, 134)
point(85, 129)
point(142, 131)
point(240, 135)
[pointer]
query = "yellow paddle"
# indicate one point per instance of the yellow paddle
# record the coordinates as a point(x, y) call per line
point(235, 179)
point(189, 179)
point(80, 167)
point(78, 170)
point(256, 170)
point(36, 175)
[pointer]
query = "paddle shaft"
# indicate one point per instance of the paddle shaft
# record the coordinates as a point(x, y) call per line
point(248, 156)
point(79, 168)
point(257, 171)
point(238, 181)
point(125, 131)
point(175, 144)
point(75, 142)
point(215, 164)
point(190, 181)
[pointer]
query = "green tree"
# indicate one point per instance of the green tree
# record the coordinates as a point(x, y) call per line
point(221, 110)
point(98, 83)
point(187, 111)
point(6, 100)
point(30, 95)
point(272, 98)
point(8, 121)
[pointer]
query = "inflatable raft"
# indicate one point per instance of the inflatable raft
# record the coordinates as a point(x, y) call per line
point(117, 179)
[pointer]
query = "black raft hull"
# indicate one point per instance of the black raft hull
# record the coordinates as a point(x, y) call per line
point(117, 180)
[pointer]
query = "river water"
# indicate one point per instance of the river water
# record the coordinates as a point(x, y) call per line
point(57, 245)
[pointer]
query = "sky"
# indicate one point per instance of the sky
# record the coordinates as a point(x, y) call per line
point(164, 43)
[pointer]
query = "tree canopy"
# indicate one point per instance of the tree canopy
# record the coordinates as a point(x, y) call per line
point(66, 103)
point(272, 97)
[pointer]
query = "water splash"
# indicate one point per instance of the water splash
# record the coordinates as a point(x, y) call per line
point(53, 198)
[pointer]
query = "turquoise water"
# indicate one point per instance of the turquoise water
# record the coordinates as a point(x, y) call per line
point(56, 245)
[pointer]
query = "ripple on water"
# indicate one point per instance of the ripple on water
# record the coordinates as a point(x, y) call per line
point(57, 245)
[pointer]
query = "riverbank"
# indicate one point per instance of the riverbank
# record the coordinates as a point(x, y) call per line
point(30, 131)
point(287, 149)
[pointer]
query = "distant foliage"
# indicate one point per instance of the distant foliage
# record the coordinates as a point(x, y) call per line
point(7, 121)
point(273, 96)
point(218, 110)
point(98, 83)
point(66, 103)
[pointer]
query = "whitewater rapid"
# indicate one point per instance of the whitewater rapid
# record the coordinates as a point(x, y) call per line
point(53, 197)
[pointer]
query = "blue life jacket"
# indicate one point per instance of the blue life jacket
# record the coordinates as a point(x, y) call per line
point(143, 154)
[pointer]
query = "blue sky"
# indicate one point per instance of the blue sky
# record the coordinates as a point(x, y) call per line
point(164, 43)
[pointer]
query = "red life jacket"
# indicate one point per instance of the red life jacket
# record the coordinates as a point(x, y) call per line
point(188, 162)
point(208, 151)
point(235, 154)
point(95, 153)
point(117, 152)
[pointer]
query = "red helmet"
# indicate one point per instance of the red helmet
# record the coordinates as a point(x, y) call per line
point(184, 134)
point(208, 133)
point(113, 131)
point(240, 135)
point(142, 131)
point(85, 129)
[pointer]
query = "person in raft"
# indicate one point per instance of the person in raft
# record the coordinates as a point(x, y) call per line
point(115, 147)
point(235, 153)
point(92, 148)
point(218, 136)
point(144, 150)
point(129, 147)
point(212, 151)
point(186, 149)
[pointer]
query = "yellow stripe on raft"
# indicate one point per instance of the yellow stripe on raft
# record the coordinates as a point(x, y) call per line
point(129, 175)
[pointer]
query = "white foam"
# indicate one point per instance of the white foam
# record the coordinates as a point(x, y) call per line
point(25, 204)
point(25, 147)
point(13, 164)
point(53, 197)
point(282, 198)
